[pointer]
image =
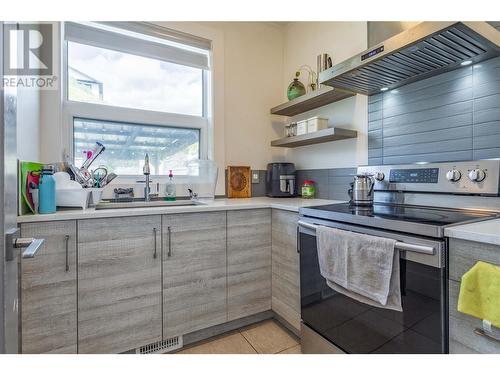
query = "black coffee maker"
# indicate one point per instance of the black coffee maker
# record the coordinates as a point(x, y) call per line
point(281, 180)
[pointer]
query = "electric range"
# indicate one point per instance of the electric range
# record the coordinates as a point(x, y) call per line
point(421, 220)
point(332, 322)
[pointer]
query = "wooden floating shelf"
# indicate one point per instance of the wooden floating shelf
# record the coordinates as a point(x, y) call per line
point(314, 99)
point(321, 136)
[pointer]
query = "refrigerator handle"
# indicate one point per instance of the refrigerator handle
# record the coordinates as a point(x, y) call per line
point(31, 245)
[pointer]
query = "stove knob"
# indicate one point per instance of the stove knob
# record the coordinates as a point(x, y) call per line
point(454, 175)
point(477, 175)
point(379, 176)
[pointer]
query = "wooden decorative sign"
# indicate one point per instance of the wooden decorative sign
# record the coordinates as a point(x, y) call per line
point(239, 183)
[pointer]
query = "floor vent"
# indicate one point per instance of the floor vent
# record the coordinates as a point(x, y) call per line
point(163, 346)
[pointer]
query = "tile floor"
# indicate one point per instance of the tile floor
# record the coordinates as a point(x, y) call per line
point(267, 337)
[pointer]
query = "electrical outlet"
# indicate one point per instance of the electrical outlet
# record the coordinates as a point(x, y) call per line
point(255, 177)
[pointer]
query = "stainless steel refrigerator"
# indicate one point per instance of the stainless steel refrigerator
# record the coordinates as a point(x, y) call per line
point(9, 259)
point(12, 248)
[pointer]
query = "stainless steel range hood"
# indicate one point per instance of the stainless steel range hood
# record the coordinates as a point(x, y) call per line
point(425, 50)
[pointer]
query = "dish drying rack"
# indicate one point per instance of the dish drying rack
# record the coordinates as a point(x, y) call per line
point(87, 178)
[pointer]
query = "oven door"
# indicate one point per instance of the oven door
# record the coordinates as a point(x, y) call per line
point(355, 327)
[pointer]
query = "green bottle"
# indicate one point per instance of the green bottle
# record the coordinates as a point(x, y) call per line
point(170, 190)
point(296, 88)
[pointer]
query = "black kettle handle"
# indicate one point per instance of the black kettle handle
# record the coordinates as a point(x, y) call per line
point(349, 191)
point(373, 185)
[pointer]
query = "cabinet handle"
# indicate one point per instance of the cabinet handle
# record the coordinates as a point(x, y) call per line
point(297, 240)
point(154, 233)
point(169, 241)
point(483, 333)
point(66, 240)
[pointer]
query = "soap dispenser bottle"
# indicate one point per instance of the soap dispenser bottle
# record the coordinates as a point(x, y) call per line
point(170, 190)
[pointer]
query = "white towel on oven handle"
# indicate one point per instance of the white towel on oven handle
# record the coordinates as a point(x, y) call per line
point(363, 267)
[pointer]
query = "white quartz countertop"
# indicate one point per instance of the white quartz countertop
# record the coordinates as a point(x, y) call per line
point(484, 231)
point(289, 204)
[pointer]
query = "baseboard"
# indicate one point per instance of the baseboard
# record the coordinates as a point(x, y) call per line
point(209, 332)
point(287, 325)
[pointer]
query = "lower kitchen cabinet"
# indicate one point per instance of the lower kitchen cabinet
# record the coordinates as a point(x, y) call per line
point(111, 285)
point(194, 272)
point(285, 267)
point(119, 283)
point(48, 290)
point(462, 256)
point(248, 262)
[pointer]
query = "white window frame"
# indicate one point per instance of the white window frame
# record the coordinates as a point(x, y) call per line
point(104, 112)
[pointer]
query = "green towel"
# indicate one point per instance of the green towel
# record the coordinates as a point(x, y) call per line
point(24, 168)
point(480, 292)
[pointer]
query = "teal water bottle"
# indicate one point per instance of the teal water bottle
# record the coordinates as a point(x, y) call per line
point(47, 191)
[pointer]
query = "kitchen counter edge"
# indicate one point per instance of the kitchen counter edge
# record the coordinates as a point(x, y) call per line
point(288, 204)
point(487, 231)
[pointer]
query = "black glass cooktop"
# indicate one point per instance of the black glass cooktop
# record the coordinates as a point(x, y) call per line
point(413, 214)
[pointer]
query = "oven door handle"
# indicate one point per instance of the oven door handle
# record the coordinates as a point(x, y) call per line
point(399, 245)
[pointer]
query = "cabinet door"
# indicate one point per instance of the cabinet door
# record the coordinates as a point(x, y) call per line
point(194, 272)
point(48, 290)
point(119, 283)
point(248, 262)
point(285, 267)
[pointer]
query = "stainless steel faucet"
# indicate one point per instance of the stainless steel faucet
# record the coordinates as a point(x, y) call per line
point(192, 194)
point(146, 171)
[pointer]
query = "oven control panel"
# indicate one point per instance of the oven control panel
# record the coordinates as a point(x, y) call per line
point(415, 176)
point(472, 177)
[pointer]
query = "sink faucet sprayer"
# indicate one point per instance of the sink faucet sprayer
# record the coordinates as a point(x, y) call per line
point(146, 171)
point(192, 194)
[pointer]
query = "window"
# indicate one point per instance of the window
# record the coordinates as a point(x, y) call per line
point(133, 81)
point(126, 144)
point(138, 89)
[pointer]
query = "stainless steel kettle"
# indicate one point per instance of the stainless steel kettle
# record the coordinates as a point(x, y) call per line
point(361, 191)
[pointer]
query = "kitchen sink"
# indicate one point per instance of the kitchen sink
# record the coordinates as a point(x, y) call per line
point(112, 204)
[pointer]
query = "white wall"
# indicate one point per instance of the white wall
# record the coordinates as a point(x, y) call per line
point(28, 124)
point(51, 129)
point(253, 85)
point(303, 42)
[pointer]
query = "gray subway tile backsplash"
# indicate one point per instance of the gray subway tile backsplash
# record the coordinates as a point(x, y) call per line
point(450, 117)
point(375, 153)
point(375, 160)
point(430, 125)
point(340, 172)
point(259, 190)
point(330, 183)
